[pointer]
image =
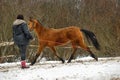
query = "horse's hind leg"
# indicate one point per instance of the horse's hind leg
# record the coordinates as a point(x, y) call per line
point(55, 53)
point(83, 46)
point(92, 55)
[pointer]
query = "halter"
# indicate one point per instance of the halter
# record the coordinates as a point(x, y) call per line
point(31, 20)
point(33, 23)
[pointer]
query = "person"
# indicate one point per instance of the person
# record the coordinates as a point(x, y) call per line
point(21, 37)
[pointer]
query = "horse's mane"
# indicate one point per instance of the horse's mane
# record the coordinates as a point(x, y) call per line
point(40, 22)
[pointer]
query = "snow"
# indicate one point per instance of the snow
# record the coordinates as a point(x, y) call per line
point(80, 69)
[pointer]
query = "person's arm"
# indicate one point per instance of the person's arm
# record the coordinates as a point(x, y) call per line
point(26, 31)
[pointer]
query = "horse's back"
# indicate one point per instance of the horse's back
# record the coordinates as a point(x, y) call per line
point(70, 33)
point(66, 29)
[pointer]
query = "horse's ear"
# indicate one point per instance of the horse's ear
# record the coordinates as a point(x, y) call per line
point(30, 18)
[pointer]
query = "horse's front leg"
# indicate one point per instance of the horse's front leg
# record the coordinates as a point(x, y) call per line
point(55, 53)
point(37, 54)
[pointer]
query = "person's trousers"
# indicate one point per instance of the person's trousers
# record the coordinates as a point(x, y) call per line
point(22, 50)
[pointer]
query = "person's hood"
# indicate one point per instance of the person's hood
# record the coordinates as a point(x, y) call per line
point(18, 22)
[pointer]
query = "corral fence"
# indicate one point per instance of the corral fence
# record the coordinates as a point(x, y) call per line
point(10, 53)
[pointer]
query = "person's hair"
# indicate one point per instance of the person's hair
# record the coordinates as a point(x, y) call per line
point(20, 16)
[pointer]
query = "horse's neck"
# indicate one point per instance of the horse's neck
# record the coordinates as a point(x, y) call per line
point(40, 30)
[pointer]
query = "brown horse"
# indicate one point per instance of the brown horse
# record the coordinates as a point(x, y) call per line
point(49, 37)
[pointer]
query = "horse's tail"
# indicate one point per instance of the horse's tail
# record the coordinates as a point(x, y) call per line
point(91, 36)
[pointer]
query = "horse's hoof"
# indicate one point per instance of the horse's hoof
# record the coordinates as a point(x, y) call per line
point(96, 58)
point(69, 62)
point(63, 61)
point(32, 63)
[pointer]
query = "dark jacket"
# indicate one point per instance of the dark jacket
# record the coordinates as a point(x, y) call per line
point(21, 34)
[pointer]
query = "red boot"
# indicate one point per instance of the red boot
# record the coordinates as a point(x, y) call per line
point(23, 65)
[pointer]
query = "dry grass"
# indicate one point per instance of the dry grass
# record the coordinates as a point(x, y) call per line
point(100, 16)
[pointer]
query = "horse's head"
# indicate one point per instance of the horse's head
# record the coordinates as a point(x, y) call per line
point(32, 24)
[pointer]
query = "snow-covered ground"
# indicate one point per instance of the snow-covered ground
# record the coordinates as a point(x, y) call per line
point(80, 69)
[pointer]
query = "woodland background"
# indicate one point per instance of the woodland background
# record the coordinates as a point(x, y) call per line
point(99, 16)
